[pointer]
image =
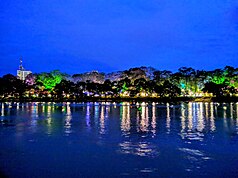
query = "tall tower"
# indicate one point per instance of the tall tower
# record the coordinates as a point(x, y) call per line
point(20, 66)
point(22, 73)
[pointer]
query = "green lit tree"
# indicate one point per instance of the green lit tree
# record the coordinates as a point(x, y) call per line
point(187, 75)
point(50, 80)
point(217, 76)
point(231, 76)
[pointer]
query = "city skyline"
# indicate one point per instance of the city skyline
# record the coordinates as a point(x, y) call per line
point(81, 36)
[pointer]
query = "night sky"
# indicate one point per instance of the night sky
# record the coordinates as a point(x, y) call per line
point(76, 36)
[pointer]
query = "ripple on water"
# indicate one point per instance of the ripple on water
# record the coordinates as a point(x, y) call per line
point(148, 170)
point(143, 149)
point(195, 157)
point(192, 152)
point(192, 136)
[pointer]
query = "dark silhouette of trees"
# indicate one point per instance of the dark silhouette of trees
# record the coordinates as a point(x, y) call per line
point(11, 86)
point(135, 82)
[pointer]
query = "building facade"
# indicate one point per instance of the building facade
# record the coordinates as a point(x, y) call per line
point(21, 72)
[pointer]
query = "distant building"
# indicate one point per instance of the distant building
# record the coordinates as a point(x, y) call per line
point(22, 73)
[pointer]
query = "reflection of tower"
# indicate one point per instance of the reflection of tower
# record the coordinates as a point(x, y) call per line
point(22, 73)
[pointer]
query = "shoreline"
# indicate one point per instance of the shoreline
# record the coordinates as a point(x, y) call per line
point(124, 99)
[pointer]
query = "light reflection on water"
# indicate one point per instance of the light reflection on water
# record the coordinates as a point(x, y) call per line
point(68, 118)
point(144, 149)
point(146, 130)
point(193, 117)
point(125, 119)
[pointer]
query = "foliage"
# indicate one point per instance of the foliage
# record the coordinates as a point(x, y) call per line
point(50, 80)
point(30, 79)
point(10, 85)
point(93, 76)
point(135, 82)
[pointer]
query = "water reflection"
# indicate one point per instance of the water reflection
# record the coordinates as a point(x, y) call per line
point(191, 121)
point(168, 118)
point(125, 118)
point(231, 110)
point(2, 109)
point(182, 117)
point(212, 118)
point(190, 116)
point(144, 149)
point(96, 112)
point(153, 122)
point(88, 115)
point(34, 114)
point(196, 158)
point(102, 120)
point(196, 120)
point(184, 136)
point(237, 117)
point(200, 123)
point(193, 116)
point(143, 118)
point(68, 118)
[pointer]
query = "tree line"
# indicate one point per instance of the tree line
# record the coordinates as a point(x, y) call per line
point(135, 82)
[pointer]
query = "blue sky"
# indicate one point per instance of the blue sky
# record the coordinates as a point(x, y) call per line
point(83, 35)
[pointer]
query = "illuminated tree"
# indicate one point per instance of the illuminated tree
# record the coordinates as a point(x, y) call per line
point(231, 75)
point(187, 74)
point(93, 76)
point(50, 80)
point(134, 73)
point(226, 81)
point(30, 79)
point(124, 86)
point(198, 81)
point(144, 81)
point(217, 76)
point(76, 78)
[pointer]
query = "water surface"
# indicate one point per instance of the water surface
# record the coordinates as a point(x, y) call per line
point(119, 139)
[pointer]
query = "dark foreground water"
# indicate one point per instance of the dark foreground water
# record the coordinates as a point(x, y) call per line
point(117, 140)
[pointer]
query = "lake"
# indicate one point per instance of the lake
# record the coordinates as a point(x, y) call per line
point(119, 139)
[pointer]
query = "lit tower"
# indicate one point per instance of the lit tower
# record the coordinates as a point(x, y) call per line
point(21, 72)
point(20, 66)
